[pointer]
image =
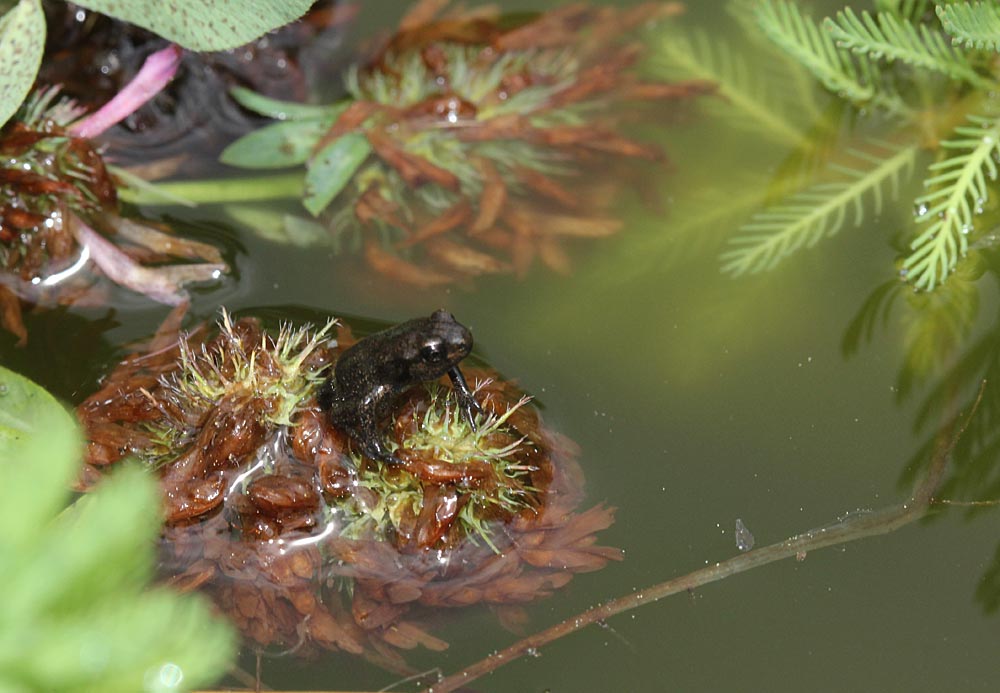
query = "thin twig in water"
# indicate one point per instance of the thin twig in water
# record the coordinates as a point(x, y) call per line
point(964, 504)
point(851, 528)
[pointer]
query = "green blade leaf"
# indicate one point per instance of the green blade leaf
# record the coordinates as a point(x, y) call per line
point(84, 620)
point(278, 145)
point(331, 169)
point(204, 25)
point(283, 110)
point(22, 41)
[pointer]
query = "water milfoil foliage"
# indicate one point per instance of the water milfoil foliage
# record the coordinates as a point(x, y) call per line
point(470, 142)
point(302, 540)
point(920, 72)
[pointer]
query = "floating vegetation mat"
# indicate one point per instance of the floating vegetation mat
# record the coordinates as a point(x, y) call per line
point(305, 543)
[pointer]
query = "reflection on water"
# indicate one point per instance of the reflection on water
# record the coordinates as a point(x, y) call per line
point(786, 398)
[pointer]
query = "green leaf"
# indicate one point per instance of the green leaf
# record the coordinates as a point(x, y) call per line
point(204, 25)
point(116, 527)
point(278, 145)
point(22, 42)
point(975, 24)
point(84, 620)
point(155, 642)
point(959, 191)
point(39, 451)
point(913, 10)
point(77, 614)
point(331, 169)
point(898, 39)
point(278, 226)
point(821, 211)
point(855, 79)
point(283, 110)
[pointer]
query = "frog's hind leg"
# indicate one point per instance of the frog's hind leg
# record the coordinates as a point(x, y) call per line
point(326, 395)
point(366, 434)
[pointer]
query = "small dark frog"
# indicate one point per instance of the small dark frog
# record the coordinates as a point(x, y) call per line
point(369, 376)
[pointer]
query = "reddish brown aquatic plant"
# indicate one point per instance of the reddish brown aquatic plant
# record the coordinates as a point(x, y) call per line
point(306, 544)
point(474, 143)
point(59, 222)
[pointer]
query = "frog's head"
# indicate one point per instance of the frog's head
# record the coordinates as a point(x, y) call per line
point(442, 342)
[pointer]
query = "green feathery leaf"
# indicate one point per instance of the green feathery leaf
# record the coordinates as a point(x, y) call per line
point(805, 218)
point(750, 99)
point(974, 24)
point(959, 191)
point(897, 39)
point(913, 10)
point(854, 78)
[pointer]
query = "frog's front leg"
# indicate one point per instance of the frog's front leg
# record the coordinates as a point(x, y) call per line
point(466, 400)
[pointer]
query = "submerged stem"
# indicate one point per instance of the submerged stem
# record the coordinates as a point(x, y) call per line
point(851, 528)
point(284, 186)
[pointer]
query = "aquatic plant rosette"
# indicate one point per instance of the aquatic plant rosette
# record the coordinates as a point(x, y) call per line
point(60, 227)
point(305, 544)
point(472, 143)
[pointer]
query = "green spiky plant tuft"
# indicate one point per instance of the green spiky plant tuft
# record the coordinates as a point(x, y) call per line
point(272, 371)
point(443, 433)
point(269, 370)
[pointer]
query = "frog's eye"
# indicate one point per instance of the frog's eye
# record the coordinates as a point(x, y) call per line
point(433, 352)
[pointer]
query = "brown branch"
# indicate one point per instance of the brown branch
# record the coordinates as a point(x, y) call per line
point(851, 528)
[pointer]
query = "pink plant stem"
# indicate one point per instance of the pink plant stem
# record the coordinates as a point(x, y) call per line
point(156, 73)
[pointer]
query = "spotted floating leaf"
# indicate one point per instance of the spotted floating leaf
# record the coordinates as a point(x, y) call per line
point(22, 42)
point(204, 25)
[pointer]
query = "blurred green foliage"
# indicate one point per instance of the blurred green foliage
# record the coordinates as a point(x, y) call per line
point(78, 613)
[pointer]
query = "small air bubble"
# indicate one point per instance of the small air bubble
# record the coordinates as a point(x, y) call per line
point(744, 539)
